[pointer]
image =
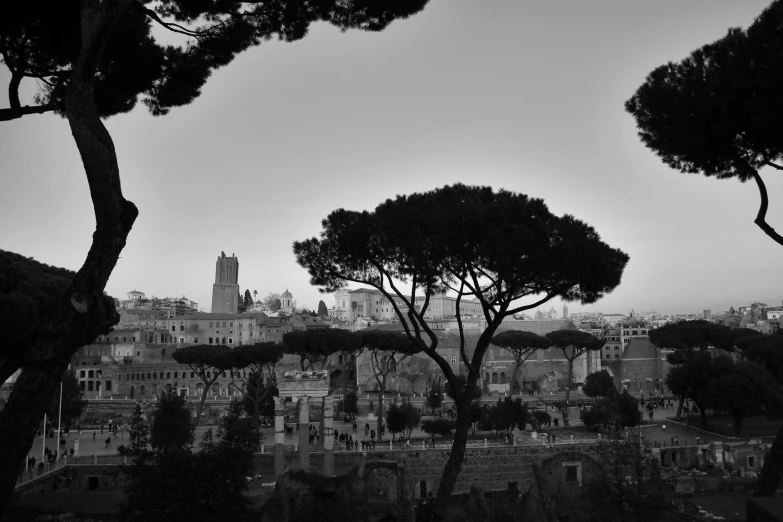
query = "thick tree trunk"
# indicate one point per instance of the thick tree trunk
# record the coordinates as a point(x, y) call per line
point(85, 311)
point(201, 403)
point(772, 472)
point(448, 480)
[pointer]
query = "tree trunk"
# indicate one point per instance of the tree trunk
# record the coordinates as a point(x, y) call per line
point(570, 379)
point(85, 312)
point(679, 407)
point(453, 467)
point(202, 401)
point(382, 389)
point(772, 472)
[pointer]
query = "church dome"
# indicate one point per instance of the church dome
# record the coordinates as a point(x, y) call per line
point(286, 293)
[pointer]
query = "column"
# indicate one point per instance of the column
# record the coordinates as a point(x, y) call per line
point(279, 435)
point(304, 432)
point(327, 433)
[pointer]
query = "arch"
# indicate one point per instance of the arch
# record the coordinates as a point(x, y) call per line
point(98, 374)
point(168, 389)
point(494, 377)
point(231, 389)
point(132, 392)
point(81, 374)
point(155, 389)
point(215, 389)
point(91, 374)
point(422, 489)
point(502, 377)
point(142, 390)
point(200, 388)
point(486, 377)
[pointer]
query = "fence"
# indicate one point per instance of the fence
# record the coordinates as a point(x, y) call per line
point(42, 469)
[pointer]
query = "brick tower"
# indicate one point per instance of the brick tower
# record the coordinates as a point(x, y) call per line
point(225, 291)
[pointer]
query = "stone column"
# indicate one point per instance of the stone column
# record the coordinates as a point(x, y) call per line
point(279, 435)
point(304, 432)
point(327, 433)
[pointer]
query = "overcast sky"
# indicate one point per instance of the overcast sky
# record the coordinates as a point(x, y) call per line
point(523, 95)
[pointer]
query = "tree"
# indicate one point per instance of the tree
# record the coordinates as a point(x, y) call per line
point(138, 433)
point(272, 302)
point(687, 338)
point(73, 404)
point(439, 426)
point(263, 407)
point(717, 111)
point(403, 419)
point(435, 396)
point(171, 427)
point(386, 351)
point(630, 486)
point(508, 414)
point(315, 347)
point(461, 384)
point(521, 345)
point(249, 364)
point(574, 344)
point(351, 403)
point(322, 310)
point(691, 379)
point(248, 299)
point(627, 410)
point(499, 248)
point(739, 388)
point(207, 362)
point(540, 418)
point(94, 60)
point(599, 384)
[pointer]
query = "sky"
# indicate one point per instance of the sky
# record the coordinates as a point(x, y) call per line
point(521, 95)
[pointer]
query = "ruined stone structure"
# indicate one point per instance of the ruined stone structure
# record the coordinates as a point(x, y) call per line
point(225, 291)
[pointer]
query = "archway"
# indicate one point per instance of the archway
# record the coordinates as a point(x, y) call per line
point(494, 377)
point(142, 390)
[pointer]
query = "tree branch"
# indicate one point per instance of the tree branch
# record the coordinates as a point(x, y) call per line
point(762, 214)
point(176, 28)
point(16, 113)
point(773, 165)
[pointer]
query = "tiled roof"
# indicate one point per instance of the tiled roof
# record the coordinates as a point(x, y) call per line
point(220, 317)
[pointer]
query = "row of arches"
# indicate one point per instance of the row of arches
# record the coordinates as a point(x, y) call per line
point(495, 378)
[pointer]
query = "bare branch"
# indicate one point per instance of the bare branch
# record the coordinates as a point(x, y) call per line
point(773, 165)
point(762, 214)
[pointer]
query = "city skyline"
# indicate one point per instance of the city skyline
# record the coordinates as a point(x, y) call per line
point(531, 102)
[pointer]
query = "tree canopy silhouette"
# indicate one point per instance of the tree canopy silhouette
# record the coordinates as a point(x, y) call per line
point(207, 362)
point(717, 112)
point(498, 248)
point(97, 59)
point(574, 343)
point(521, 345)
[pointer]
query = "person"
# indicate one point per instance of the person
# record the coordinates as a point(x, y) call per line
point(355, 426)
point(367, 428)
point(71, 453)
point(651, 415)
point(108, 442)
point(101, 428)
point(93, 434)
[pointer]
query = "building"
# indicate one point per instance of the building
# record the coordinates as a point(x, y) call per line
point(641, 369)
point(349, 305)
point(225, 291)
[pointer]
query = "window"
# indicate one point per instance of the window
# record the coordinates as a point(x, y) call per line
point(173, 328)
point(108, 385)
point(224, 324)
point(210, 324)
point(573, 473)
point(210, 340)
point(168, 375)
point(230, 340)
point(195, 328)
point(195, 340)
point(231, 324)
point(164, 351)
point(176, 373)
point(192, 375)
point(751, 461)
point(224, 340)
point(453, 360)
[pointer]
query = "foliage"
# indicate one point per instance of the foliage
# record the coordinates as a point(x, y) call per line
point(767, 351)
point(403, 418)
point(508, 414)
point(474, 415)
point(691, 379)
point(461, 382)
point(73, 404)
point(248, 299)
point(258, 399)
point(207, 362)
point(740, 387)
point(438, 427)
point(574, 343)
point(618, 411)
point(323, 311)
point(248, 364)
point(171, 427)
point(630, 486)
point(521, 345)
point(138, 433)
point(540, 418)
point(599, 384)
point(351, 402)
point(315, 347)
point(498, 248)
point(434, 396)
point(204, 485)
point(716, 112)
point(688, 336)
point(272, 302)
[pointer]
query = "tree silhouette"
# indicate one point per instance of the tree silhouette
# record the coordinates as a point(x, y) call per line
point(574, 343)
point(248, 299)
point(207, 362)
point(386, 351)
point(717, 112)
point(94, 60)
point(322, 310)
point(599, 384)
point(496, 247)
point(521, 345)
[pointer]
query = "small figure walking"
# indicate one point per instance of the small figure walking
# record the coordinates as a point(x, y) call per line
point(93, 434)
point(108, 442)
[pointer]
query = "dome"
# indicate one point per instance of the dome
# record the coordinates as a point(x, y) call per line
point(286, 293)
